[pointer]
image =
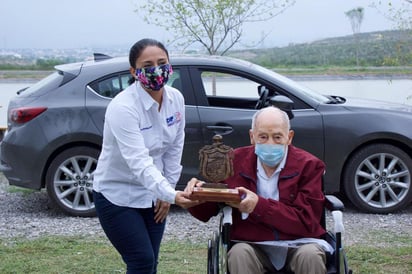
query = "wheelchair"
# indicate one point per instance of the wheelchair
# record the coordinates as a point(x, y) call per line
point(219, 243)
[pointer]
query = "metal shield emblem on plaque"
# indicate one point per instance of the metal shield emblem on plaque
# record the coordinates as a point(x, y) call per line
point(216, 161)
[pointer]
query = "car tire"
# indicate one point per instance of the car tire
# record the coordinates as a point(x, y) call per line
point(69, 180)
point(377, 179)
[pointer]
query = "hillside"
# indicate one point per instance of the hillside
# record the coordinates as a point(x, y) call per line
point(380, 52)
point(376, 49)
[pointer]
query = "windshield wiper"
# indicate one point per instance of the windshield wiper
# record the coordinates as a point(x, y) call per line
point(333, 99)
point(21, 90)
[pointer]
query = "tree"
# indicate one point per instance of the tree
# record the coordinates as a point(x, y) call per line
point(217, 25)
point(400, 14)
point(356, 17)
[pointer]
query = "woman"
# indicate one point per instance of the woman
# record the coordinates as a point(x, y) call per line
point(139, 165)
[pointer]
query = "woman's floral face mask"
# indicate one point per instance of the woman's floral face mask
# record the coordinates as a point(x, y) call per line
point(154, 78)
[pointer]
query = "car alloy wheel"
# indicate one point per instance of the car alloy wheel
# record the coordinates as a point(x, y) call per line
point(378, 178)
point(69, 180)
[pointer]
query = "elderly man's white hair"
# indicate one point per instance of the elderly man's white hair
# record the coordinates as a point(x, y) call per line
point(284, 116)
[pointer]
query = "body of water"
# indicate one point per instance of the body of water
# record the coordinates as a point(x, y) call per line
point(7, 91)
point(397, 90)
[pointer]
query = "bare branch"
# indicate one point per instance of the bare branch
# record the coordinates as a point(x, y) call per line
point(400, 14)
point(217, 25)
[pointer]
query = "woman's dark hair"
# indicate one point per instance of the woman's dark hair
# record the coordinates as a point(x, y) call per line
point(137, 49)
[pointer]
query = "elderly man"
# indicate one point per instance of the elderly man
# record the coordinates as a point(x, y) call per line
point(281, 186)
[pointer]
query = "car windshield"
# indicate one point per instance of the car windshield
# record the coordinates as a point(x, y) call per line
point(302, 89)
point(53, 80)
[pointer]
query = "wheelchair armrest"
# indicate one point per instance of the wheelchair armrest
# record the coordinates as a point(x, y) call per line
point(336, 206)
point(333, 203)
point(227, 215)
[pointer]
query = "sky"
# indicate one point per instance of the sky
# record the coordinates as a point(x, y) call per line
point(65, 24)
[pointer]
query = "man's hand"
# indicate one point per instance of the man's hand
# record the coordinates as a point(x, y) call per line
point(248, 202)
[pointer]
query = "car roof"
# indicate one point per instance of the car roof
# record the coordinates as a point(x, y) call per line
point(122, 62)
point(104, 65)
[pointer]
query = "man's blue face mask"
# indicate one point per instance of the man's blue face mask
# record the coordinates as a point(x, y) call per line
point(271, 155)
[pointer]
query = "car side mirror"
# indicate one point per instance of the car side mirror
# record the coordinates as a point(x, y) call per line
point(284, 103)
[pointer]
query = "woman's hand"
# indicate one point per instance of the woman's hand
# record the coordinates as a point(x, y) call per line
point(183, 200)
point(183, 197)
point(161, 211)
point(194, 182)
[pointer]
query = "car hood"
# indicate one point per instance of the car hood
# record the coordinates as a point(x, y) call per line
point(376, 104)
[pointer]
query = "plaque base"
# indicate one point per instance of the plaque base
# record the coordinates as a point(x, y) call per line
point(215, 194)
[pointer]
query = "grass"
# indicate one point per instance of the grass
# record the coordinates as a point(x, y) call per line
point(96, 255)
point(24, 74)
point(16, 189)
point(380, 260)
point(384, 253)
point(85, 255)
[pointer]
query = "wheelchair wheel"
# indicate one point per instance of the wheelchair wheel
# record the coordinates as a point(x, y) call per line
point(213, 254)
point(223, 248)
point(337, 263)
point(216, 255)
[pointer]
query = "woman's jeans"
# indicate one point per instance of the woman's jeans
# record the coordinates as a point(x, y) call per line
point(133, 232)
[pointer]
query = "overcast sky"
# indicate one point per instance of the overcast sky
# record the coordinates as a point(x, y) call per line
point(104, 23)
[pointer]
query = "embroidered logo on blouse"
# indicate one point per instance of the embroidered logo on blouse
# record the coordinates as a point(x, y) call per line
point(175, 118)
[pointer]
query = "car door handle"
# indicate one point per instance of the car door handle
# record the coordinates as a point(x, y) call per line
point(221, 130)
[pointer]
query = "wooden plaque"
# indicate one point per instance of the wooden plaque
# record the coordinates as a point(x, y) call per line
point(216, 163)
point(216, 166)
point(216, 195)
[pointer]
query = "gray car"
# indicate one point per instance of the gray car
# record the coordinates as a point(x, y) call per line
point(55, 129)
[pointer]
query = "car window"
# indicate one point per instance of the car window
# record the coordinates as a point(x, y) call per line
point(111, 85)
point(48, 83)
point(225, 89)
point(228, 85)
point(228, 90)
point(175, 79)
point(124, 80)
